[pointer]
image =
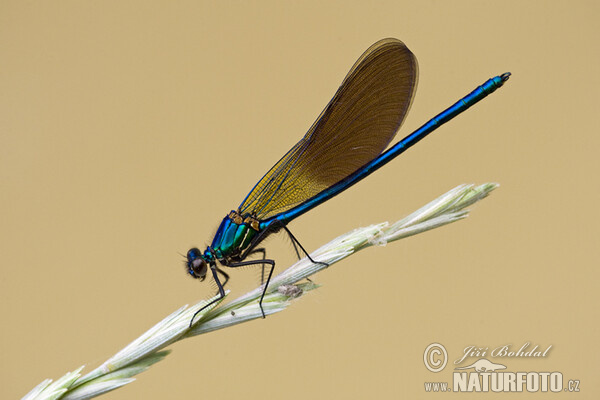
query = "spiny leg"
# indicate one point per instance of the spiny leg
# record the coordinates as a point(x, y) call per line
point(255, 241)
point(295, 241)
point(225, 275)
point(264, 256)
point(214, 270)
point(295, 247)
point(255, 262)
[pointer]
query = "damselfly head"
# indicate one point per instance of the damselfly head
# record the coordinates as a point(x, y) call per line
point(196, 264)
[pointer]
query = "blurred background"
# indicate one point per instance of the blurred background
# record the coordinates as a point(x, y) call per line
point(129, 129)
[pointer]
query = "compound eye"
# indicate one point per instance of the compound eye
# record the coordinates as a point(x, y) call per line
point(193, 254)
point(198, 268)
point(196, 265)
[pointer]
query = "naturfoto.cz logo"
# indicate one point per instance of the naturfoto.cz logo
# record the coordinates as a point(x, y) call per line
point(483, 375)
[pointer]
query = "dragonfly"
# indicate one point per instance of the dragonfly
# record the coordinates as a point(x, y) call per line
point(344, 145)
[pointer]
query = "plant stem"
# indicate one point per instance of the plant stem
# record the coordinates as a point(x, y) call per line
point(146, 350)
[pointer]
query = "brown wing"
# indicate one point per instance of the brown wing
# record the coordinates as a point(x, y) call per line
point(355, 127)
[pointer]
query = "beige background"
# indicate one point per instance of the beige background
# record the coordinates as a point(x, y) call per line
point(128, 130)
